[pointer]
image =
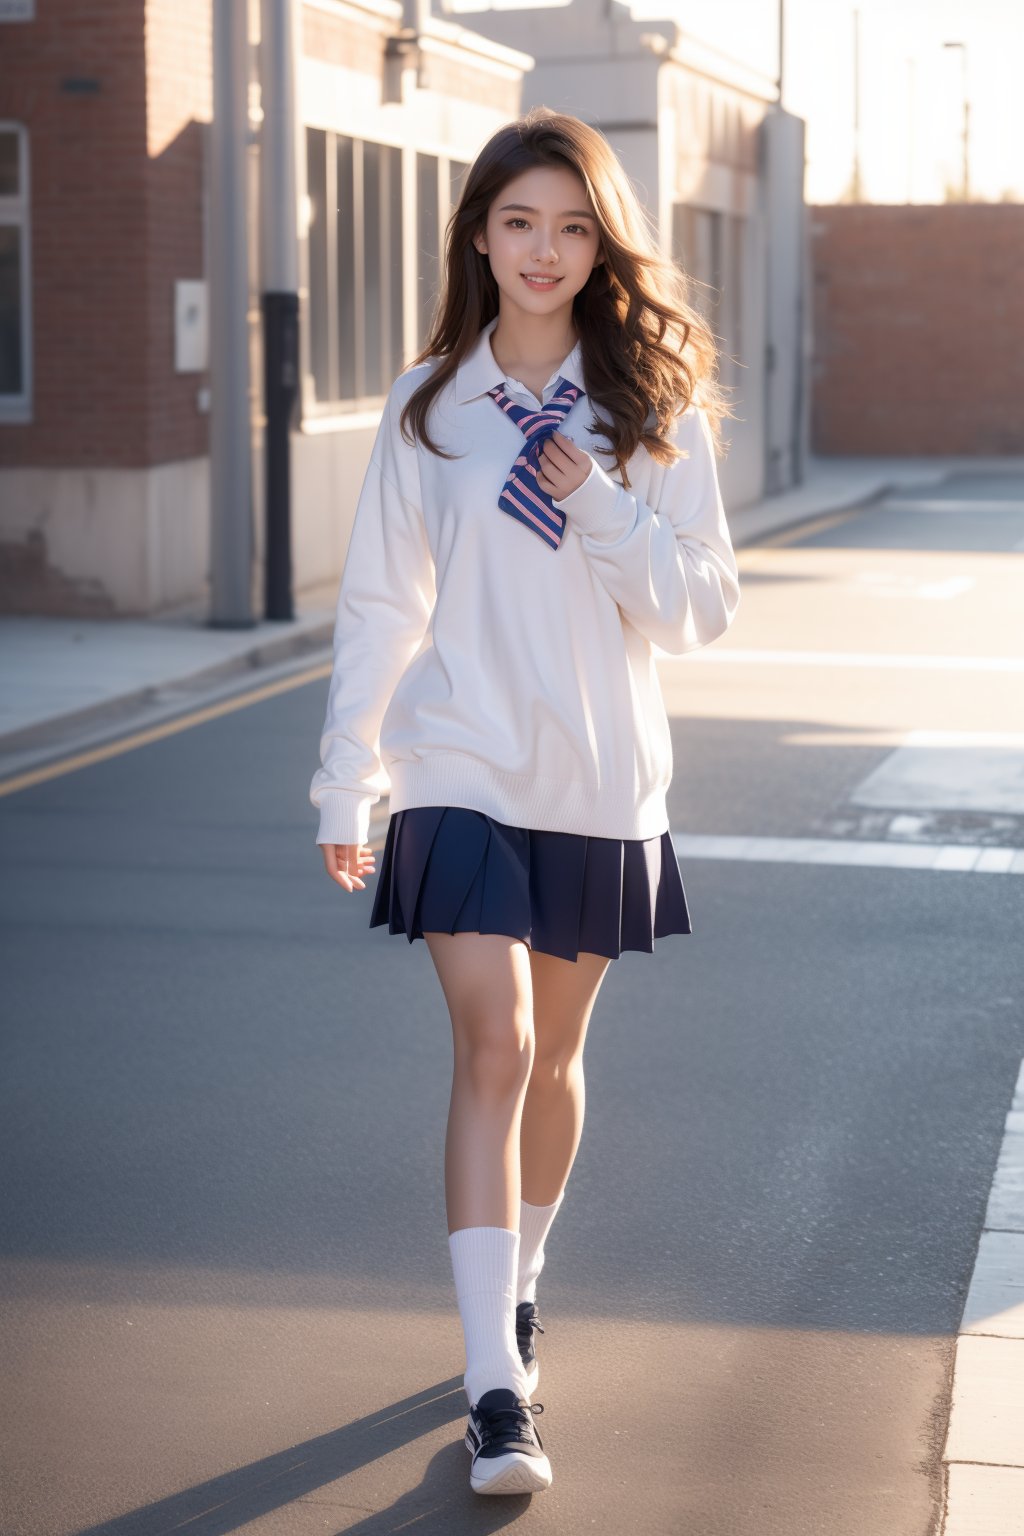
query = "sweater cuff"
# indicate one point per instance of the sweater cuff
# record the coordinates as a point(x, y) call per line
point(594, 506)
point(344, 817)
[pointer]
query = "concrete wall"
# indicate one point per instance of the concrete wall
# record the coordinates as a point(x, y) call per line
point(919, 329)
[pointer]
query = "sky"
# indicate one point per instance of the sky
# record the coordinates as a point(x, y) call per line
point(911, 87)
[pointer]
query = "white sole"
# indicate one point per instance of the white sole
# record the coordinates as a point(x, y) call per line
point(510, 1474)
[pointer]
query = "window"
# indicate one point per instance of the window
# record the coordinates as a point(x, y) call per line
point(355, 266)
point(428, 264)
point(437, 193)
point(709, 245)
point(15, 357)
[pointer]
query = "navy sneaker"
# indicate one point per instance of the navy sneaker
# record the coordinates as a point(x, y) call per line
point(526, 1321)
point(508, 1456)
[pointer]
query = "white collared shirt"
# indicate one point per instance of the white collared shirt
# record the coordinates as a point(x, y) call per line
point(475, 664)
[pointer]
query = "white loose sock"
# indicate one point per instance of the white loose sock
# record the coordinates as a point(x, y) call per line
point(485, 1262)
point(534, 1226)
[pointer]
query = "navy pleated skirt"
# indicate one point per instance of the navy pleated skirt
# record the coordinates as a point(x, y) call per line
point(448, 869)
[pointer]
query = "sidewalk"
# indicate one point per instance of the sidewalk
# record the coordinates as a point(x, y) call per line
point(79, 682)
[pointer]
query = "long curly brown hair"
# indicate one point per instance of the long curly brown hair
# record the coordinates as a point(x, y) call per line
point(647, 352)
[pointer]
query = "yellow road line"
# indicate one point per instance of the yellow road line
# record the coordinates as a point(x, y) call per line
point(129, 743)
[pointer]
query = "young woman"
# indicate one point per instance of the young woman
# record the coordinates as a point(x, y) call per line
point(540, 516)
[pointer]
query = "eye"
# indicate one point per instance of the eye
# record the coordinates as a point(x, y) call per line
point(519, 220)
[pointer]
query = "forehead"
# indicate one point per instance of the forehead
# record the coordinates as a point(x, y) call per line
point(557, 188)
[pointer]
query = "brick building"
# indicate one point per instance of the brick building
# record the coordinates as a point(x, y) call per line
point(105, 110)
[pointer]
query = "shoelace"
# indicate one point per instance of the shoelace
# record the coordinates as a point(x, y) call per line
point(525, 1324)
point(508, 1423)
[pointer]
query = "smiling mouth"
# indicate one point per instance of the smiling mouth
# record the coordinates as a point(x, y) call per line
point(538, 281)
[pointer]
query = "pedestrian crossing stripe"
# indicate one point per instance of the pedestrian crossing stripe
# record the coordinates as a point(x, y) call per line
point(949, 857)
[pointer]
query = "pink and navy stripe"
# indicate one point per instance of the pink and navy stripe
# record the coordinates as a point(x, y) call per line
point(521, 497)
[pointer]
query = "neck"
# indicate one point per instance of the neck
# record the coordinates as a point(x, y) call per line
point(532, 341)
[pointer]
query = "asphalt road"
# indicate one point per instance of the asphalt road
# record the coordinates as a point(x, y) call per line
point(225, 1275)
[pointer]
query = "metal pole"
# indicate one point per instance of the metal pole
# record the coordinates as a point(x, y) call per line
point(910, 130)
point(782, 46)
point(965, 189)
point(967, 117)
point(231, 530)
point(856, 107)
point(279, 46)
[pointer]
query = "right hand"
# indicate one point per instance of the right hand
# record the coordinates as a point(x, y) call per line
point(345, 862)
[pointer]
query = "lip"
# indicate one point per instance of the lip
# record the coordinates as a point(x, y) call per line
point(544, 277)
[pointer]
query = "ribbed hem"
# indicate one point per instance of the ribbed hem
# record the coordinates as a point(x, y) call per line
point(520, 800)
point(485, 1263)
point(534, 1225)
point(344, 816)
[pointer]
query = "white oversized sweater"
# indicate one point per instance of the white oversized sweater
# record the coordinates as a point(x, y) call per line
point(474, 664)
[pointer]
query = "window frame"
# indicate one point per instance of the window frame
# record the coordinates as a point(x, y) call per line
point(16, 210)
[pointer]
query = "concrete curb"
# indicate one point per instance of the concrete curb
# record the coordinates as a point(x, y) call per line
point(260, 661)
point(983, 1457)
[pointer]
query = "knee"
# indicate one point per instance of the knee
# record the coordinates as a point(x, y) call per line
point(495, 1055)
point(556, 1069)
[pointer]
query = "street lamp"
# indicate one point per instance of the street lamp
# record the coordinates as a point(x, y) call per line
point(967, 111)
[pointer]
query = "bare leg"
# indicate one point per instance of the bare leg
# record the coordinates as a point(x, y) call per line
point(488, 987)
point(564, 993)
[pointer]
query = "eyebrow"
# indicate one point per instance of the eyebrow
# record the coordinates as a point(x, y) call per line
point(570, 213)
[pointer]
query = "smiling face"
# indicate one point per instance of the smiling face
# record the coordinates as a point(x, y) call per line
point(541, 224)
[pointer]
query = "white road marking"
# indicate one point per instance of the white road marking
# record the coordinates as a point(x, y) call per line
point(980, 504)
point(949, 857)
point(733, 655)
point(953, 586)
point(900, 584)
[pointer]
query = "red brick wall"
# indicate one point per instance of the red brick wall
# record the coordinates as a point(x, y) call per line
point(87, 178)
point(115, 216)
point(918, 329)
point(180, 105)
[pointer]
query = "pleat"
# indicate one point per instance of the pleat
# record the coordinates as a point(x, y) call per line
point(454, 859)
point(453, 869)
point(671, 912)
point(557, 867)
point(600, 924)
point(641, 864)
point(381, 908)
point(505, 900)
point(414, 838)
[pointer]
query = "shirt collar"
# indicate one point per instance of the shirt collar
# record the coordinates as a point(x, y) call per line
point(478, 372)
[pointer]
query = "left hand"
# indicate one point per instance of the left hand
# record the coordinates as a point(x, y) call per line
point(563, 466)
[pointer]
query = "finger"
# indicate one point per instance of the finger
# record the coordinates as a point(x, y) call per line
point(566, 447)
point(351, 866)
point(338, 865)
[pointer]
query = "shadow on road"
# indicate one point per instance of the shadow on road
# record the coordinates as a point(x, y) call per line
point(250, 1493)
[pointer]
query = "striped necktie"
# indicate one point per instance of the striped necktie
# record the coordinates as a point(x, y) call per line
point(521, 496)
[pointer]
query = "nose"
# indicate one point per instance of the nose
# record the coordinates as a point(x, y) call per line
point(543, 249)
